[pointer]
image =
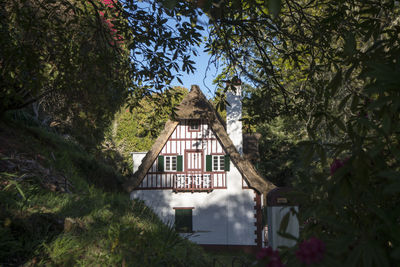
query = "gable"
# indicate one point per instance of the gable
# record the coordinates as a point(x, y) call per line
point(191, 150)
point(196, 106)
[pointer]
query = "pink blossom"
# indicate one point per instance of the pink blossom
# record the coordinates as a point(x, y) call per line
point(264, 252)
point(337, 164)
point(275, 262)
point(271, 255)
point(311, 251)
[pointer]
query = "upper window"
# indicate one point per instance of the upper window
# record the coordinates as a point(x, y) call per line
point(194, 125)
point(170, 163)
point(218, 163)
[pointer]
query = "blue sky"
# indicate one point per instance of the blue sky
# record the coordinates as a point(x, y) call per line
point(202, 76)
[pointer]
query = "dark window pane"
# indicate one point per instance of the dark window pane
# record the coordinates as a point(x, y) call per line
point(173, 168)
point(215, 163)
point(221, 163)
point(167, 163)
point(183, 220)
point(194, 125)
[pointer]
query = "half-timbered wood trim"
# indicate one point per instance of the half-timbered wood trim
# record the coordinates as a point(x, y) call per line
point(196, 106)
point(192, 139)
point(201, 160)
point(257, 207)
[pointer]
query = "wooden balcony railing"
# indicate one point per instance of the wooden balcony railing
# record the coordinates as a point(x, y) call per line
point(195, 182)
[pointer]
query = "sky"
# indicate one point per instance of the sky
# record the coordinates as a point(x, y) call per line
point(204, 73)
point(202, 76)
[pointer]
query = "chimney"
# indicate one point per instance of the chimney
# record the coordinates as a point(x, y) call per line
point(234, 114)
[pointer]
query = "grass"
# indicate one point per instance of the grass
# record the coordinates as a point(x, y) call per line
point(90, 222)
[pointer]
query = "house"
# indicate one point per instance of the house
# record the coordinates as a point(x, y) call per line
point(196, 177)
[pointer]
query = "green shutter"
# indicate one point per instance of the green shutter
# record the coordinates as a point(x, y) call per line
point(227, 163)
point(208, 163)
point(183, 220)
point(179, 164)
point(160, 165)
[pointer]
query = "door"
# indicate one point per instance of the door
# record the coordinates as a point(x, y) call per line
point(194, 161)
point(194, 166)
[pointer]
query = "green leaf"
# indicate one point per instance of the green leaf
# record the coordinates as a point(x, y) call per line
point(349, 48)
point(395, 253)
point(335, 83)
point(343, 102)
point(274, 7)
point(288, 236)
point(386, 123)
point(354, 102)
point(339, 123)
point(308, 153)
point(170, 4)
point(322, 154)
point(284, 223)
point(18, 187)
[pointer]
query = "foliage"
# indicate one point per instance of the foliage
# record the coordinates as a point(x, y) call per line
point(280, 150)
point(84, 225)
point(58, 56)
point(333, 66)
point(77, 61)
point(135, 129)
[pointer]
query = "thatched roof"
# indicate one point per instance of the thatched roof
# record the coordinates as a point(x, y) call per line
point(196, 106)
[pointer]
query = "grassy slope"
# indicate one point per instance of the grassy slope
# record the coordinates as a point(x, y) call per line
point(60, 206)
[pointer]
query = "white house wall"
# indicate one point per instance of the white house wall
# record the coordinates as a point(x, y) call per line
point(224, 215)
point(221, 217)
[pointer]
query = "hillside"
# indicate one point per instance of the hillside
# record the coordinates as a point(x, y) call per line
point(61, 206)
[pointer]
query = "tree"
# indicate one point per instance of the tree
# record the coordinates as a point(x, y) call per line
point(80, 59)
point(333, 65)
point(135, 129)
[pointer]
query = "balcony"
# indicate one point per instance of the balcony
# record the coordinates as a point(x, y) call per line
point(192, 182)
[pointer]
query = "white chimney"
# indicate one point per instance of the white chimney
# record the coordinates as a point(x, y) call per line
point(234, 116)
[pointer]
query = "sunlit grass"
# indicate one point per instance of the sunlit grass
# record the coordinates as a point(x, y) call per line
point(90, 226)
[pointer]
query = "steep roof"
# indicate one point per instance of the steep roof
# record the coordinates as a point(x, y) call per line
point(196, 106)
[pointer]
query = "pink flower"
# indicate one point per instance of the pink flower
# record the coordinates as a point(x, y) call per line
point(311, 251)
point(264, 252)
point(276, 262)
point(337, 164)
point(271, 255)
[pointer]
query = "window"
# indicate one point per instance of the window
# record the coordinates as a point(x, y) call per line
point(170, 163)
point(219, 163)
point(194, 126)
point(183, 220)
